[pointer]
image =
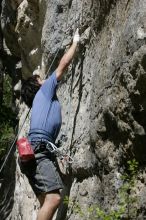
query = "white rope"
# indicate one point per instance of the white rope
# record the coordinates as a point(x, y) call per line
point(6, 158)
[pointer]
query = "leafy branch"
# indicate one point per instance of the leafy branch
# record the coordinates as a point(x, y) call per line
point(126, 205)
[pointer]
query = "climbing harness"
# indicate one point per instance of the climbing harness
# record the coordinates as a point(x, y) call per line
point(44, 145)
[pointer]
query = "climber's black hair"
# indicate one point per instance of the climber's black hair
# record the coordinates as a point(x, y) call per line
point(29, 89)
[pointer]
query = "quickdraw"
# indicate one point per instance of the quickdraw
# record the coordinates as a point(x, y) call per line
point(62, 156)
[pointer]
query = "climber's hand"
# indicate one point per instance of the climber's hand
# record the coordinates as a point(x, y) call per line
point(68, 56)
point(76, 37)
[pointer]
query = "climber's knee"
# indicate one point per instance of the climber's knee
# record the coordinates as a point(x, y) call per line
point(52, 199)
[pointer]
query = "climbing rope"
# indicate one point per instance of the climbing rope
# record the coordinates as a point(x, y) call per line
point(64, 135)
point(11, 147)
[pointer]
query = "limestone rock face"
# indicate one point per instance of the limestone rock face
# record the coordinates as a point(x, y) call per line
point(102, 96)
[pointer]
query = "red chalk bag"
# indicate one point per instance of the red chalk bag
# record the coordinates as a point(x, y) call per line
point(24, 149)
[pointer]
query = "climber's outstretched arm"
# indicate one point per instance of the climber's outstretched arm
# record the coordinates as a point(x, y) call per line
point(67, 57)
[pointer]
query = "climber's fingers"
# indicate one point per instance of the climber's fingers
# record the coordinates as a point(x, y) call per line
point(76, 37)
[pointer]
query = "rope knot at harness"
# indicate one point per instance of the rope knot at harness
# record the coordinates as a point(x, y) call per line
point(62, 156)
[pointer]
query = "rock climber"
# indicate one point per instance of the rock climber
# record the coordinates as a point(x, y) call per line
point(45, 125)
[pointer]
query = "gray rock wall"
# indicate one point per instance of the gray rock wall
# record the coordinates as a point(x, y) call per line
point(102, 94)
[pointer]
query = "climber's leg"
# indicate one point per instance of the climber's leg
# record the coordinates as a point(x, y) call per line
point(49, 203)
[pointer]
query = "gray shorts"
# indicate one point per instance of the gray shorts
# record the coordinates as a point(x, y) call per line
point(42, 173)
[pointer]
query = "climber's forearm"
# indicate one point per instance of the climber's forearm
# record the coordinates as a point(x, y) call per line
point(65, 61)
point(68, 56)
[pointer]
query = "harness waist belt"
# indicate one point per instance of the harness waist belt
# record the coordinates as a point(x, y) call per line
point(43, 147)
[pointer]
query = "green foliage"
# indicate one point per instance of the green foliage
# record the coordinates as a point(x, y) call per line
point(7, 92)
point(7, 117)
point(126, 192)
point(125, 207)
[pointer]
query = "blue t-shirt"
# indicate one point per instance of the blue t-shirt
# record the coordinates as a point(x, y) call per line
point(46, 109)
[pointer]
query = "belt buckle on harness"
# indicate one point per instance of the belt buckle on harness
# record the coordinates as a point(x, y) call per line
point(54, 148)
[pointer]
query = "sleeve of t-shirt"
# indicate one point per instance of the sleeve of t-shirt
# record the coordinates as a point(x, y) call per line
point(49, 87)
